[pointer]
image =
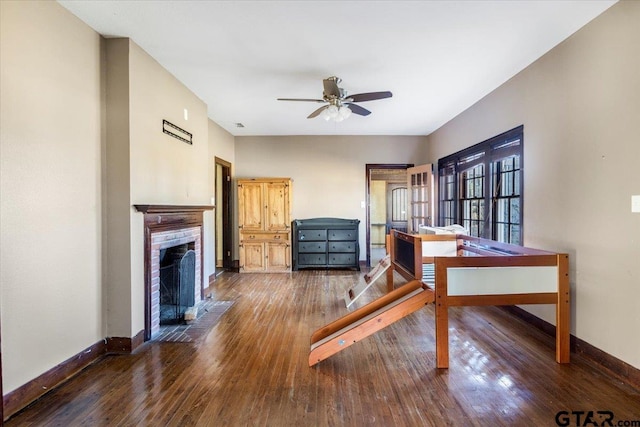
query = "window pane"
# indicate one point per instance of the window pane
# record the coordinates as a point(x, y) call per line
point(486, 180)
point(515, 211)
point(502, 210)
point(399, 204)
point(502, 232)
point(515, 235)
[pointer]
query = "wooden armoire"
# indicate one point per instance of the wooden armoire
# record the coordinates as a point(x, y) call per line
point(264, 221)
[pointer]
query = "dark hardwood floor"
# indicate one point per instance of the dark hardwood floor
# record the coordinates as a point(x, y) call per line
point(252, 369)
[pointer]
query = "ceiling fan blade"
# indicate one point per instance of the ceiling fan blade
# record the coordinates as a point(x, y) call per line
point(317, 112)
point(369, 96)
point(301, 99)
point(356, 109)
point(331, 87)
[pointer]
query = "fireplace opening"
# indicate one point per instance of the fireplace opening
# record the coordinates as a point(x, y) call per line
point(177, 282)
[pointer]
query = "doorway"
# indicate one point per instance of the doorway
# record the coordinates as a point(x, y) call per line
point(387, 205)
point(223, 214)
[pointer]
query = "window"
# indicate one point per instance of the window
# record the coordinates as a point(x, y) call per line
point(481, 188)
point(419, 181)
point(399, 204)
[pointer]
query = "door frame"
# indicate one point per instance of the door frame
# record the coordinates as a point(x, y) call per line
point(368, 168)
point(225, 208)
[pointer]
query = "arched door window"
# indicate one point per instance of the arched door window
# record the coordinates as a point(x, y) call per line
point(399, 204)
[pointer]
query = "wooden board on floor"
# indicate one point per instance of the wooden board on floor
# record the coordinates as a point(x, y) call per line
point(354, 293)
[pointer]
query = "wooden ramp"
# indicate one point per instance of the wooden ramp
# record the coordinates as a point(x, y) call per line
point(361, 323)
point(354, 293)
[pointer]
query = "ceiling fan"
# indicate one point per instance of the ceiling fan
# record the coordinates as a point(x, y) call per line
point(339, 104)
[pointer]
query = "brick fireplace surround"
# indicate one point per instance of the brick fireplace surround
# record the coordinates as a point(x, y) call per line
point(166, 226)
point(164, 240)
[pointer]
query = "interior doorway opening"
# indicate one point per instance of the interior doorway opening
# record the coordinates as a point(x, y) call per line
point(223, 215)
point(387, 206)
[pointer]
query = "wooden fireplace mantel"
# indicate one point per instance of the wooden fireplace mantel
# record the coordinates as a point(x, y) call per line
point(172, 216)
point(153, 209)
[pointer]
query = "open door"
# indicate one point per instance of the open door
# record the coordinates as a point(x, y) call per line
point(421, 197)
point(387, 207)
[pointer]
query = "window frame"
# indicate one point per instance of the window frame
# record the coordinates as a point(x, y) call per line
point(458, 169)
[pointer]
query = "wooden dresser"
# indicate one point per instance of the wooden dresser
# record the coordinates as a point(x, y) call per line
point(264, 221)
point(326, 243)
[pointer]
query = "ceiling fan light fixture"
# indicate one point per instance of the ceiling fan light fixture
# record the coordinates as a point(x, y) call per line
point(339, 104)
point(335, 113)
point(344, 112)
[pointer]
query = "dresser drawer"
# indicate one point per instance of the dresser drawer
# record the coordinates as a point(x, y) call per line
point(343, 234)
point(342, 259)
point(342, 246)
point(284, 237)
point(312, 259)
point(312, 235)
point(312, 247)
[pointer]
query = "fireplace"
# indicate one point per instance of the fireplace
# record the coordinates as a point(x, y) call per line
point(170, 229)
point(167, 249)
point(177, 282)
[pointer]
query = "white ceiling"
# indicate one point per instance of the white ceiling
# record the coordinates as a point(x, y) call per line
point(437, 57)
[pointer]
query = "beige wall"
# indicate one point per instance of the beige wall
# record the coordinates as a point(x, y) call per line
point(81, 142)
point(328, 172)
point(222, 143)
point(117, 260)
point(51, 188)
point(163, 169)
point(580, 107)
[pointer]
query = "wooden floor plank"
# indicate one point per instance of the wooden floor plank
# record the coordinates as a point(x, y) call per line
point(251, 369)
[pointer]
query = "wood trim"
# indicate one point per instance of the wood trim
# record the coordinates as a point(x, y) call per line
point(499, 261)
point(439, 237)
point(1, 393)
point(19, 398)
point(118, 345)
point(123, 344)
point(442, 317)
point(620, 369)
point(390, 250)
point(563, 311)
point(152, 209)
point(616, 367)
point(502, 299)
point(224, 209)
point(367, 179)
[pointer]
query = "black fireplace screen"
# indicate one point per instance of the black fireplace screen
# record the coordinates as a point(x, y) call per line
point(177, 283)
